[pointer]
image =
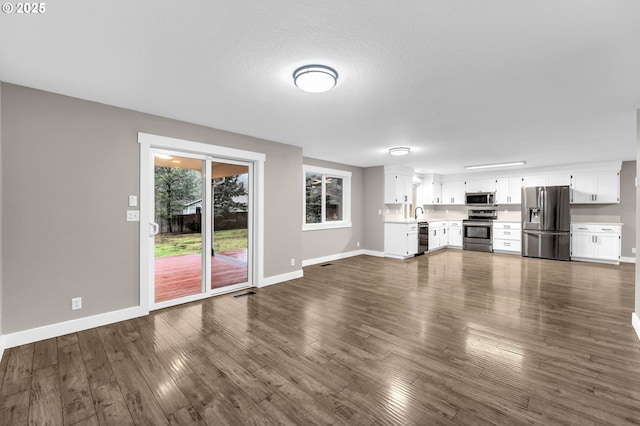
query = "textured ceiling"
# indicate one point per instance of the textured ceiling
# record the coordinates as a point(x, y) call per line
point(460, 82)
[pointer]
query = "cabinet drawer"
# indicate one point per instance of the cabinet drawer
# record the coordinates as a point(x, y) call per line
point(608, 229)
point(583, 228)
point(507, 225)
point(507, 234)
point(506, 245)
point(455, 224)
point(438, 224)
point(413, 227)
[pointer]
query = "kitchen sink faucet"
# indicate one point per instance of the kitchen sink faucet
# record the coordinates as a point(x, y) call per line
point(416, 211)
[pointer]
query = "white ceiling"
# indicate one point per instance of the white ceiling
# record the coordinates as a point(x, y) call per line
point(460, 82)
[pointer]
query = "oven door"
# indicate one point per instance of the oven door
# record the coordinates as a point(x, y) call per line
point(477, 235)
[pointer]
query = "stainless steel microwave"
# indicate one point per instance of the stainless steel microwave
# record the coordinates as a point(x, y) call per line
point(480, 198)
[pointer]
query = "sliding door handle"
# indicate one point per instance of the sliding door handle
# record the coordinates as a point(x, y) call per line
point(155, 228)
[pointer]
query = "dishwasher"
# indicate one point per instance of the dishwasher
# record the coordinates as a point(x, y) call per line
point(423, 238)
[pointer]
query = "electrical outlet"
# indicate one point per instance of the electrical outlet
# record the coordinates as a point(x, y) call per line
point(358, 244)
point(633, 250)
point(76, 303)
point(293, 262)
point(133, 215)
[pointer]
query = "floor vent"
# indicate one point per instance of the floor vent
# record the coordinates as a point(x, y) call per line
point(327, 264)
point(249, 293)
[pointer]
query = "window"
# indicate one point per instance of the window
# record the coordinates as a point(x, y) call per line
point(327, 201)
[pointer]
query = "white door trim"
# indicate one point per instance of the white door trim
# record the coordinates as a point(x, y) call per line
point(147, 142)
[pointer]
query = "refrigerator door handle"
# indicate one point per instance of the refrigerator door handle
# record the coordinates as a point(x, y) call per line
point(546, 233)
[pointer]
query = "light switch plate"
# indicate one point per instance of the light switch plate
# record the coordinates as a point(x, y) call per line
point(133, 215)
point(133, 201)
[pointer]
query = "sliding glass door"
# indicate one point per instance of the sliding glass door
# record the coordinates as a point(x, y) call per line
point(201, 229)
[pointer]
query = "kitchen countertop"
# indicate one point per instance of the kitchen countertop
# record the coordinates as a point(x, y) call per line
point(594, 222)
point(402, 221)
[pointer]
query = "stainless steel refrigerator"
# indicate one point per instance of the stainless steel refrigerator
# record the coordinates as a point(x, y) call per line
point(546, 222)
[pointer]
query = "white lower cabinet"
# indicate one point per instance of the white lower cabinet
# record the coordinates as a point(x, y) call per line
point(438, 235)
point(400, 240)
point(455, 233)
point(445, 233)
point(507, 237)
point(596, 242)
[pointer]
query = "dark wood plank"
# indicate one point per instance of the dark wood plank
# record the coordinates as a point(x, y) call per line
point(91, 421)
point(111, 410)
point(90, 344)
point(186, 416)
point(166, 392)
point(112, 343)
point(17, 377)
point(77, 402)
point(142, 405)
point(67, 339)
point(45, 353)
point(46, 403)
point(14, 409)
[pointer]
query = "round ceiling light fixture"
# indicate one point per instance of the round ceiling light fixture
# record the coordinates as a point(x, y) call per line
point(315, 78)
point(399, 150)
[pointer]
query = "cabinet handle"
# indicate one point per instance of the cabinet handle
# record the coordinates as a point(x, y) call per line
point(607, 229)
point(507, 233)
point(506, 243)
point(595, 197)
point(507, 226)
point(584, 229)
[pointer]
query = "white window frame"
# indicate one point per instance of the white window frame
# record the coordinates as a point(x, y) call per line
point(346, 198)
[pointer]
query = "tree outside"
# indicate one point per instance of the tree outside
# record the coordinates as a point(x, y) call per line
point(228, 209)
point(174, 188)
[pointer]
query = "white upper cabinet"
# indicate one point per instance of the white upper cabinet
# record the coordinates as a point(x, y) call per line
point(592, 183)
point(554, 179)
point(398, 185)
point(595, 188)
point(453, 192)
point(480, 185)
point(431, 189)
point(509, 190)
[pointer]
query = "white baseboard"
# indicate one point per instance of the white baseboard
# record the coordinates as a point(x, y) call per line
point(373, 253)
point(626, 259)
point(332, 257)
point(1, 346)
point(60, 329)
point(635, 321)
point(280, 278)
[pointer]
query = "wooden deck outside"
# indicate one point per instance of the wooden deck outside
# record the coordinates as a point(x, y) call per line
point(178, 276)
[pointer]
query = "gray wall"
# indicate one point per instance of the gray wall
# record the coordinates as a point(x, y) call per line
point(637, 219)
point(68, 166)
point(373, 201)
point(1, 180)
point(327, 242)
point(626, 209)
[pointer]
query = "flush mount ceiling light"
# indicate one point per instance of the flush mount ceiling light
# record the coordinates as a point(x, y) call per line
point(489, 166)
point(399, 150)
point(315, 78)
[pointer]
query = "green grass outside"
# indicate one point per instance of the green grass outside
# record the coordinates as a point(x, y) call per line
point(176, 244)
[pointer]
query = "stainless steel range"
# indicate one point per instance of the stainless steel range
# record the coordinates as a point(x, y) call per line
point(477, 231)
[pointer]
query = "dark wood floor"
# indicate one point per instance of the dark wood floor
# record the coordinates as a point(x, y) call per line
point(455, 337)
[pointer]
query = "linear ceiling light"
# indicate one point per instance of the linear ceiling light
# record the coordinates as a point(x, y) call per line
point(315, 78)
point(163, 156)
point(399, 150)
point(489, 166)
